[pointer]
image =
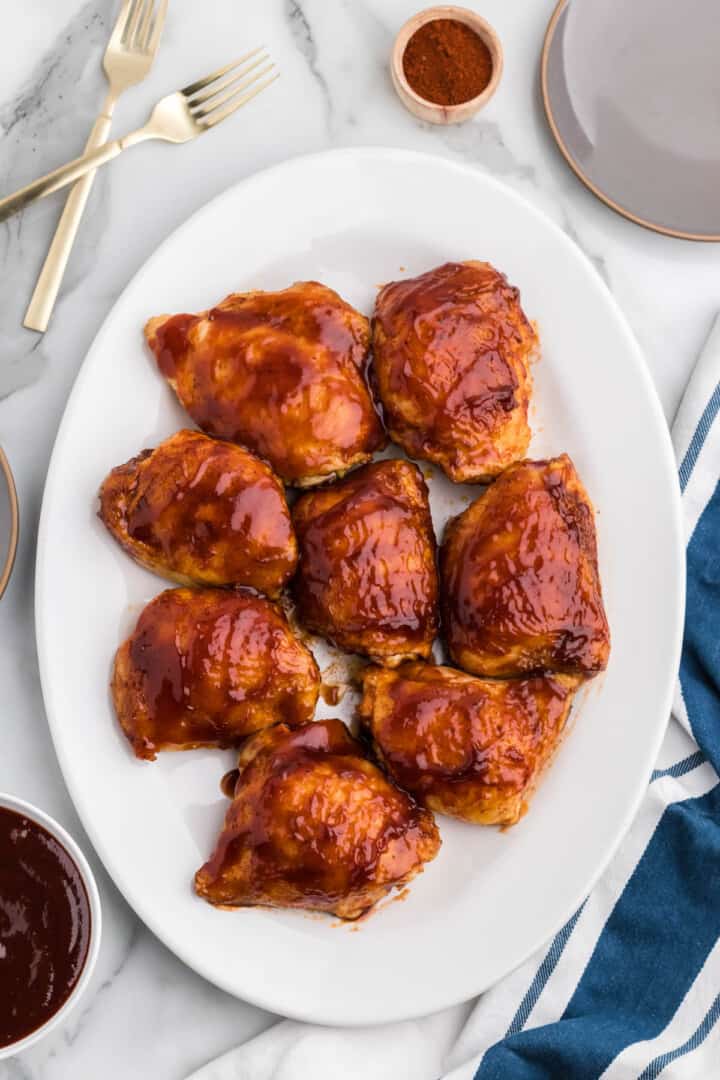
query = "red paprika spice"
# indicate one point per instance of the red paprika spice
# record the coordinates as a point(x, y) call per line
point(446, 62)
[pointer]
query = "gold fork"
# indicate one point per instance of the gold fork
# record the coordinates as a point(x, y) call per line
point(128, 58)
point(177, 118)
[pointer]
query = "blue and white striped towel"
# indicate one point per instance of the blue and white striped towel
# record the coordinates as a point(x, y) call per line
point(630, 987)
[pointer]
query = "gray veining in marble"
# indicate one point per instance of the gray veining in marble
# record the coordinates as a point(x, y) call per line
point(302, 33)
point(45, 122)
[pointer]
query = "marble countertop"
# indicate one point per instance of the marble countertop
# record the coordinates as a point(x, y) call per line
point(146, 1015)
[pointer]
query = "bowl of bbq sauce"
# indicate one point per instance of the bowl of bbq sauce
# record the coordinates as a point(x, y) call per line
point(49, 924)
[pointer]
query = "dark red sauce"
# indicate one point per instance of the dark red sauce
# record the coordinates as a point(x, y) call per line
point(172, 340)
point(44, 926)
point(331, 693)
point(228, 783)
point(521, 586)
point(207, 667)
point(204, 510)
point(310, 821)
point(263, 369)
point(466, 311)
point(367, 560)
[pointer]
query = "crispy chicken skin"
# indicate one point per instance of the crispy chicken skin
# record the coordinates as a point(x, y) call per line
point(521, 590)
point(471, 748)
point(206, 667)
point(314, 824)
point(283, 373)
point(200, 511)
point(451, 364)
point(367, 578)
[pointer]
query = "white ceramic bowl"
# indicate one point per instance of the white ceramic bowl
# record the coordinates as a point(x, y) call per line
point(11, 802)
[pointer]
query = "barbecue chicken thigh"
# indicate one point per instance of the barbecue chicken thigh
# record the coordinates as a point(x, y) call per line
point(521, 590)
point(313, 824)
point(282, 373)
point(207, 667)
point(471, 748)
point(197, 510)
point(451, 362)
point(367, 578)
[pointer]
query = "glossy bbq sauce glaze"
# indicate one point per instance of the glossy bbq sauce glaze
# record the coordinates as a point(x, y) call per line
point(44, 926)
point(282, 373)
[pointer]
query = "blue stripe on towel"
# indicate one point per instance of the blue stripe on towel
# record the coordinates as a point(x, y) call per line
point(701, 432)
point(543, 973)
point(557, 945)
point(698, 1036)
point(658, 936)
point(680, 768)
point(700, 666)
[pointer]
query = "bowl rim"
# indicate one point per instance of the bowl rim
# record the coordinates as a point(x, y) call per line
point(29, 810)
point(6, 569)
point(460, 14)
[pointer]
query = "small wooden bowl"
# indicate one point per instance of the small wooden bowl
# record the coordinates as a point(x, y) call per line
point(429, 110)
point(9, 520)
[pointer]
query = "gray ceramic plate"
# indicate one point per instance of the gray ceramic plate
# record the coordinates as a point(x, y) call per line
point(632, 95)
point(8, 522)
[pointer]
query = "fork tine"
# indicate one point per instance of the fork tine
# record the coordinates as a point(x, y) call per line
point(131, 22)
point(136, 42)
point(120, 25)
point(157, 27)
point(200, 114)
point(202, 83)
point(218, 115)
point(200, 99)
point(144, 26)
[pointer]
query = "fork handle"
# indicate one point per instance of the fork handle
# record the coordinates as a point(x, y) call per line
point(50, 278)
point(58, 178)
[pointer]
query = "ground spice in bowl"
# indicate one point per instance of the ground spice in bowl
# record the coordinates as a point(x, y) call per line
point(446, 62)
